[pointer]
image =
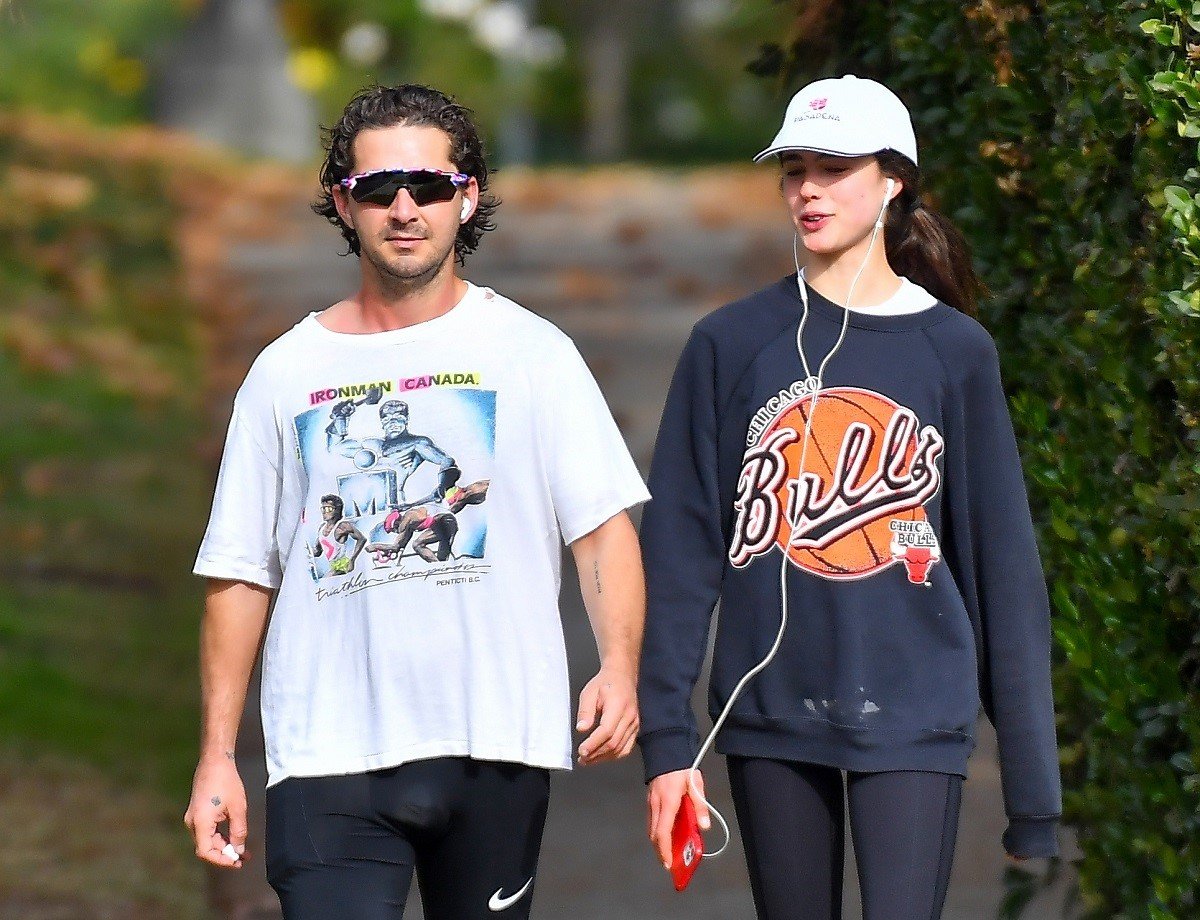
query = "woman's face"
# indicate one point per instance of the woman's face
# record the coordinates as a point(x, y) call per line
point(834, 200)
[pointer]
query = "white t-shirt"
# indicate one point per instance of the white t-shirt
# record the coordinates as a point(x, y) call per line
point(910, 298)
point(406, 492)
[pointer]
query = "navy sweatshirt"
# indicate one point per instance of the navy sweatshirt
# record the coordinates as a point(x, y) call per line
point(915, 591)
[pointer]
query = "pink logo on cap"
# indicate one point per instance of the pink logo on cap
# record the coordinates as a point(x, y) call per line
point(818, 103)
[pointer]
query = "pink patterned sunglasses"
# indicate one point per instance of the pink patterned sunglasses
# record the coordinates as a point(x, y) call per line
point(379, 186)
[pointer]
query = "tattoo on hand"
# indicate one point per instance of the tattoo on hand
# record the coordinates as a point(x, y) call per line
point(229, 754)
point(216, 800)
point(596, 569)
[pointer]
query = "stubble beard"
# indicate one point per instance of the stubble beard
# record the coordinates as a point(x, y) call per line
point(403, 276)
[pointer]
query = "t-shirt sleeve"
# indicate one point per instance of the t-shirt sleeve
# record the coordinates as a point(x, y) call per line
point(591, 473)
point(240, 543)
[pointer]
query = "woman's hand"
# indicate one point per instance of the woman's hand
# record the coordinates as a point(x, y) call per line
point(663, 799)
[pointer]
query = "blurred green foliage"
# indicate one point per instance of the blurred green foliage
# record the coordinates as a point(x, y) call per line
point(1061, 137)
point(102, 481)
point(689, 97)
point(92, 58)
point(99, 352)
point(104, 676)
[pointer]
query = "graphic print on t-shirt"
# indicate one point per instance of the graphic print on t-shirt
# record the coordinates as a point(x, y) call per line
point(857, 508)
point(398, 472)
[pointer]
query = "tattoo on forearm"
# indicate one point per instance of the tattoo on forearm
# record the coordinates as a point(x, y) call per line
point(230, 755)
point(596, 569)
point(216, 800)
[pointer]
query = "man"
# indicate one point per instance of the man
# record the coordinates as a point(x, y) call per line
point(332, 535)
point(398, 446)
point(438, 524)
point(412, 709)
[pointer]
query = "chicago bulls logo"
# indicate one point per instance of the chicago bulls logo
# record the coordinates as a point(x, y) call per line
point(857, 507)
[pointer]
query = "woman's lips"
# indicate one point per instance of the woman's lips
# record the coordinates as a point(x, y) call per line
point(812, 222)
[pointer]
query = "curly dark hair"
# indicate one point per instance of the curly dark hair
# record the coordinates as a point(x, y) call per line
point(415, 106)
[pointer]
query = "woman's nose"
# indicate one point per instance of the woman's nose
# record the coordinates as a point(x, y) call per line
point(809, 190)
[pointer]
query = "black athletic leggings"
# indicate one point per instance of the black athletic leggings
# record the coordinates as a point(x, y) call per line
point(903, 825)
point(345, 847)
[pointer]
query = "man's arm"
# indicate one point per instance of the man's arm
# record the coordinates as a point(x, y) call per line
point(349, 532)
point(235, 617)
point(614, 593)
point(427, 450)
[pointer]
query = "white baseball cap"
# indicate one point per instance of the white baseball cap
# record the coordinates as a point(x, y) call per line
point(848, 117)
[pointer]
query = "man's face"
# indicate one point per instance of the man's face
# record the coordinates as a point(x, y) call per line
point(401, 241)
point(328, 512)
point(394, 417)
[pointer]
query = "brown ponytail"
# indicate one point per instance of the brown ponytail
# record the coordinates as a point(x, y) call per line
point(925, 246)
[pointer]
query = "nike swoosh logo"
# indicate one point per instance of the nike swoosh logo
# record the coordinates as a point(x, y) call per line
point(497, 903)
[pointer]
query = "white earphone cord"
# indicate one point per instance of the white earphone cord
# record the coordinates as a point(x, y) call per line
point(783, 605)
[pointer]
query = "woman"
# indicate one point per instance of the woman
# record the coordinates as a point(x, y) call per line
point(836, 449)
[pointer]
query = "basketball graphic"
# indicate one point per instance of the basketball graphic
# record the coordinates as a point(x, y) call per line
point(857, 506)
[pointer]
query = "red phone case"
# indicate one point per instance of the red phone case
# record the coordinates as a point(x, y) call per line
point(687, 846)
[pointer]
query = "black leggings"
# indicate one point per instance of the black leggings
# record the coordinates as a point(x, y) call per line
point(791, 816)
point(345, 847)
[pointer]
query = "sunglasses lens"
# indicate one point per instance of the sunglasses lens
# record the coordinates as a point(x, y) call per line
point(428, 187)
point(379, 188)
point(425, 187)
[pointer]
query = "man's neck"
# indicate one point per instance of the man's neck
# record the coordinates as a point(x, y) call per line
point(378, 307)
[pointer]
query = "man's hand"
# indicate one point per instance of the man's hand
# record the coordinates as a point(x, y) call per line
point(217, 795)
point(612, 696)
point(663, 799)
point(344, 409)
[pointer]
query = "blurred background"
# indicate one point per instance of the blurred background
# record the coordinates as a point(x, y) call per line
point(157, 159)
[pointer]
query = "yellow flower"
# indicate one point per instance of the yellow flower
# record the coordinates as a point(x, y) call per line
point(125, 76)
point(97, 54)
point(311, 68)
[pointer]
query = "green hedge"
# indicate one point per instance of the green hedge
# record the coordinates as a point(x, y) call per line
point(102, 482)
point(1061, 136)
point(99, 354)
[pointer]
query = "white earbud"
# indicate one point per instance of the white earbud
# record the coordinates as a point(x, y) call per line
point(466, 208)
point(887, 199)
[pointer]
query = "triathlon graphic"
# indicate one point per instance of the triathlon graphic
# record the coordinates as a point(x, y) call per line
point(403, 468)
point(858, 507)
point(434, 523)
point(333, 536)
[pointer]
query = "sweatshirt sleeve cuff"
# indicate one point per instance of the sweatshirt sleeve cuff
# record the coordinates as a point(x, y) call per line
point(666, 750)
point(1032, 837)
